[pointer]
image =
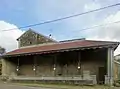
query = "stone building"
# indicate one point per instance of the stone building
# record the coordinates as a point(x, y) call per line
point(79, 61)
point(31, 37)
point(116, 70)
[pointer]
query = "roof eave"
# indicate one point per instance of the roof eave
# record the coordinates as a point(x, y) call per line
point(61, 50)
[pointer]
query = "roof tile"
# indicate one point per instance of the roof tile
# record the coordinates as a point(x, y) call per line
point(60, 46)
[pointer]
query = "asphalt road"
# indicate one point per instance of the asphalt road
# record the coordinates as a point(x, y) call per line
point(11, 86)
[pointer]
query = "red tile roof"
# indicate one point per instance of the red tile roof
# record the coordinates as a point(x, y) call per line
point(61, 46)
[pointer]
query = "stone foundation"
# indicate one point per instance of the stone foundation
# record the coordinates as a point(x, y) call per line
point(67, 80)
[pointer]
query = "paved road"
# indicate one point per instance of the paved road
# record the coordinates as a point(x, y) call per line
point(10, 86)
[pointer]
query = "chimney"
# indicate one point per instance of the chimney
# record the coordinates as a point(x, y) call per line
point(50, 36)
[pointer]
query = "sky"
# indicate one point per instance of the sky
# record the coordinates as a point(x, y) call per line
point(17, 13)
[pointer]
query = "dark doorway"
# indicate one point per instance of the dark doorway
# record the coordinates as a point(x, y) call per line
point(101, 75)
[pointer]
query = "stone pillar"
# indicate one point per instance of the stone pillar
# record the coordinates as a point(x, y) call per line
point(4, 67)
point(110, 62)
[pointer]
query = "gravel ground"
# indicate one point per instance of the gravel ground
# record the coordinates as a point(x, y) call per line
point(13, 86)
point(36, 86)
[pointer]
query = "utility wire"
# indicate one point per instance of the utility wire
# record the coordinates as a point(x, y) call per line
point(55, 20)
point(99, 25)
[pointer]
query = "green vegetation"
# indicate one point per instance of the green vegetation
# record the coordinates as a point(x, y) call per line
point(63, 86)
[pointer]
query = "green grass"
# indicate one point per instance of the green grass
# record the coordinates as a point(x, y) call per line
point(63, 86)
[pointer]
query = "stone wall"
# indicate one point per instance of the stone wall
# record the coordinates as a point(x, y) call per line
point(8, 68)
point(32, 38)
point(45, 65)
point(90, 61)
point(26, 70)
point(47, 70)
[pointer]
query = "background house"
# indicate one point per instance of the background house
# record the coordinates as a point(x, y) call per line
point(117, 67)
point(117, 57)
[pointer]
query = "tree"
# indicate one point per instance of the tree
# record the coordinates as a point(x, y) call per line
point(2, 50)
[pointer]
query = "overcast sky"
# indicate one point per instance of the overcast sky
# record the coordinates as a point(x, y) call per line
point(16, 13)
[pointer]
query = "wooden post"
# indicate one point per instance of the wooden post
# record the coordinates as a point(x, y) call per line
point(54, 66)
point(34, 65)
point(79, 63)
point(67, 69)
point(18, 66)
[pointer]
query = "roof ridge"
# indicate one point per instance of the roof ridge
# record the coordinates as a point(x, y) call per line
point(73, 40)
point(103, 41)
point(52, 43)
